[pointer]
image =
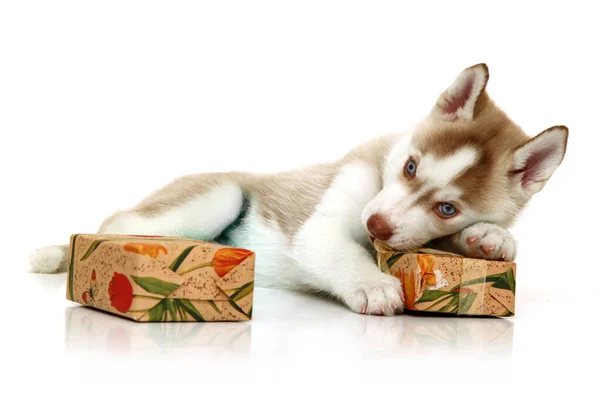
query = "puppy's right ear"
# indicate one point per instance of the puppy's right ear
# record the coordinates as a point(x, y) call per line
point(459, 100)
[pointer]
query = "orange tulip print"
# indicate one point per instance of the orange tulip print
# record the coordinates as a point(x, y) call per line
point(409, 286)
point(223, 261)
point(414, 281)
point(152, 250)
point(227, 259)
point(426, 264)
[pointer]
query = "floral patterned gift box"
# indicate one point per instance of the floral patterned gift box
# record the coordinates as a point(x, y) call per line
point(439, 282)
point(161, 278)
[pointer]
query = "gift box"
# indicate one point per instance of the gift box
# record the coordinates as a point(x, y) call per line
point(158, 278)
point(441, 282)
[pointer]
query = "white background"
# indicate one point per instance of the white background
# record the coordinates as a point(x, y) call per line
point(103, 102)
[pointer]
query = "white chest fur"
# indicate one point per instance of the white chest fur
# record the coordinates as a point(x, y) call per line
point(342, 205)
point(337, 217)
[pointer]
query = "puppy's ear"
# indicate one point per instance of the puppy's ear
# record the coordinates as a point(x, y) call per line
point(459, 100)
point(535, 161)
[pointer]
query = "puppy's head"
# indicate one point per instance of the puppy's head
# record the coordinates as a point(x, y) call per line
point(465, 162)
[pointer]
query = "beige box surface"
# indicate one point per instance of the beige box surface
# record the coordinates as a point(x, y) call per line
point(440, 282)
point(157, 278)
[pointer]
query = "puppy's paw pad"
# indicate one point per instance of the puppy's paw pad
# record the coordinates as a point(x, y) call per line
point(487, 241)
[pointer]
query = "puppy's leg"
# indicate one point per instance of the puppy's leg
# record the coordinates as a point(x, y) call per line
point(203, 217)
point(208, 208)
point(481, 240)
point(341, 267)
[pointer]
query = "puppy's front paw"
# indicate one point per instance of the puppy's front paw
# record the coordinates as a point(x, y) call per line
point(381, 295)
point(488, 241)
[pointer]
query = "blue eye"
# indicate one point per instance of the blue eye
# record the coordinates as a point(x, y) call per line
point(445, 210)
point(410, 169)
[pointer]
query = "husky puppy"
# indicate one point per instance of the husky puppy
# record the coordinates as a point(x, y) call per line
point(457, 180)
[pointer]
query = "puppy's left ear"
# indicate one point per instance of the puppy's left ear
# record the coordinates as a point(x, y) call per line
point(459, 100)
point(535, 161)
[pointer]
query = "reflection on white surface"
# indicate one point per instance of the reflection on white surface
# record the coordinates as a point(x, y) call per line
point(490, 336)
point(290, 324)
point(87, 329)
point(285, 321)
point(51, 285)
point(297, 337)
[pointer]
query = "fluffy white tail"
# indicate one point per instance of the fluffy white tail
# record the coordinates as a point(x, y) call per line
point(49, 260)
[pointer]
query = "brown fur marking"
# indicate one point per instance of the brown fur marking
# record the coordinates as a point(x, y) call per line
point(493, 134)
point(287, 198)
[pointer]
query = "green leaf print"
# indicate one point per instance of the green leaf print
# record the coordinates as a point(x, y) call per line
point(156, 286)
point(92, 248)
point(180, 258)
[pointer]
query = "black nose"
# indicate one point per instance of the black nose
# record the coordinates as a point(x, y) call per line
point(379, 227)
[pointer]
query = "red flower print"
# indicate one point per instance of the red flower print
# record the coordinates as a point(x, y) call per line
point(85, 297)
point(120, 292)
point(152, 250)
point(93, 274)
point(463, 290)
point(227, 259)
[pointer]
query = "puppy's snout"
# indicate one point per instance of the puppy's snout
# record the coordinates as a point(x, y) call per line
point(379, 227)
